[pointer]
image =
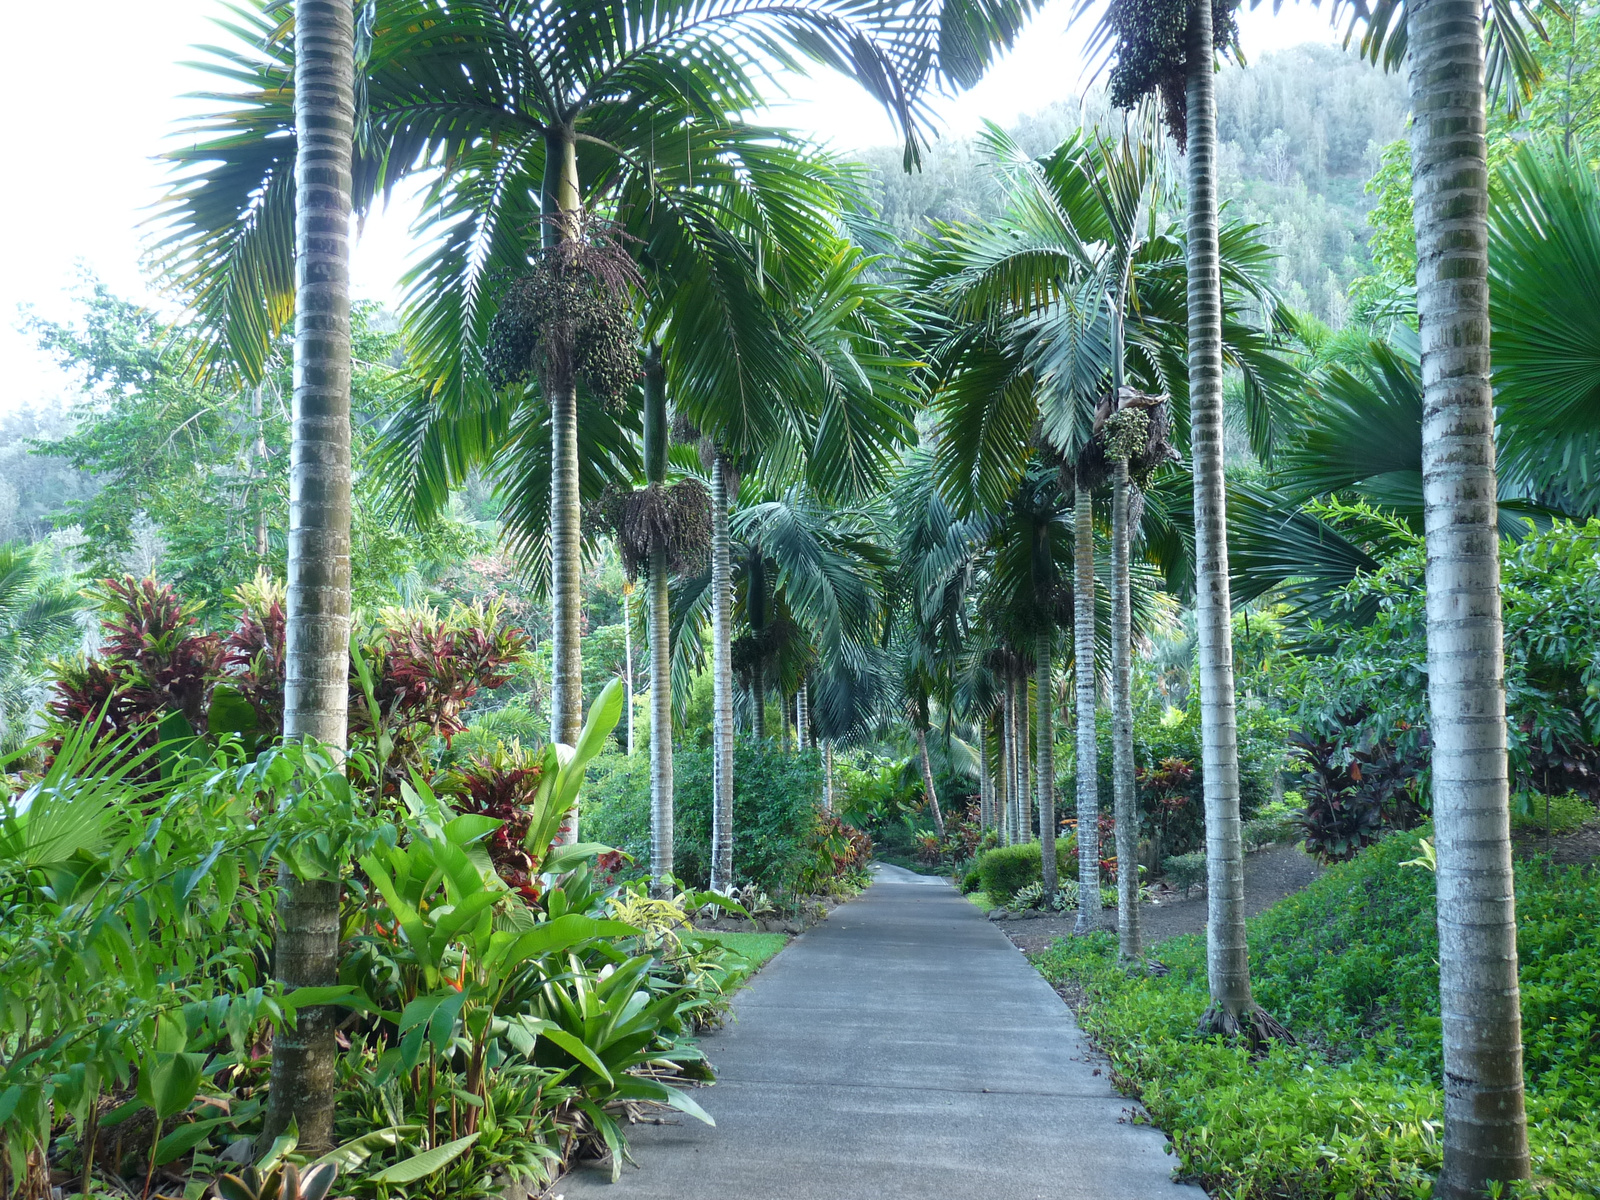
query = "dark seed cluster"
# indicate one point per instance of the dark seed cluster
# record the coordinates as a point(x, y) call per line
point(1152, 54)
point(570, 317)
point(677, 517)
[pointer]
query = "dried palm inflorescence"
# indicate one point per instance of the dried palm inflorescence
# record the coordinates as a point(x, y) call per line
point(1135, 426)
point(677, 517)
point(569, 318)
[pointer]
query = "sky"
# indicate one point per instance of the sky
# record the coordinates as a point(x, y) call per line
point(85, 174)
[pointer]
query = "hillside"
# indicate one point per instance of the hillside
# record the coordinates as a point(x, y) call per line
point(1299, 135)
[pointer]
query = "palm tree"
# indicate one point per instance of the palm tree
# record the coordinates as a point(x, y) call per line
point(37, 620)
point(1178, 61)
point(1037, 302)
point(537, 113)
point(317, 648)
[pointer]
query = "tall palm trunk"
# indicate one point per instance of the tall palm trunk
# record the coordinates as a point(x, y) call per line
point(1002, 775)
point(561, 212)
point(827, 776)
point(1018, 786)
point(1025, 757)
point(1126, 807)
point(927, 777)
point(758, 701)
point(1485, 1132)
point(721, 683)
point(985, 781)
point(1044, 737)
point(658, 616)
point(1232, 1009)
point(1087, 749)
point(316, 684)
point(802, 717)
point(1125, 800)
point(627, 660)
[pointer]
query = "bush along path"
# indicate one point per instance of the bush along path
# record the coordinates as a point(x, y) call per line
point(903, 1048)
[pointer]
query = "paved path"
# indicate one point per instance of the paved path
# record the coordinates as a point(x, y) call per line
point(901, 1050)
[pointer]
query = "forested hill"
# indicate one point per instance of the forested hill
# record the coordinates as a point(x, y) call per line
point(1300, 132)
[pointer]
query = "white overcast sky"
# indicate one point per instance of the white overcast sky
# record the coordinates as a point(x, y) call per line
point(82, 176)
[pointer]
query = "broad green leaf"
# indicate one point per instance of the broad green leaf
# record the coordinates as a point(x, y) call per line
point(420, 1166)
point(575, 1047)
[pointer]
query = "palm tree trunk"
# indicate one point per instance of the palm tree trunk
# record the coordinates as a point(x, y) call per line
point(1088, 750)
point(985, 781)
point(1130, 942)
point(1019, 822)
point(661, 823)
point(1232, 1007)
point(316, 685)
point(927, 782)
point(802, 717)
point(721, 684)
point(560, 210)
point(1044, 738)
point(758, 700)
point(1485, 1131)
point(1002, 777)
point(1025, 758)
point(658, 618)
point(627, 661)
point(828, 798)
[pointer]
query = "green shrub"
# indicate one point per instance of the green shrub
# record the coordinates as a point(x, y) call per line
point(1006, 870)
point(775, 812)
point(1555, 815)
point(971, 882)
point(1350, 965)
point(1276, 821)
point(1185, 870)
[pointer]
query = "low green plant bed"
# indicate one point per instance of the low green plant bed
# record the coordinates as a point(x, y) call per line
point(1552, 815)
point(1350, 965)
point(756, 948)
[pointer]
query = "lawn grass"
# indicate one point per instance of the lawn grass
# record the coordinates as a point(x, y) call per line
point(981, 899)
point(757, 948)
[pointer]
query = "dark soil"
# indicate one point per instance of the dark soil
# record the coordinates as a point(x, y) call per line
point(1269, 876)
point(1576, 849)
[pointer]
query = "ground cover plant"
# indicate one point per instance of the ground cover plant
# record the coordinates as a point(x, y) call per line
point(1353, 1107)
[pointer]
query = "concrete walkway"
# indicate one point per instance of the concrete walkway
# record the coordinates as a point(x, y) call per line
point(901, 1049)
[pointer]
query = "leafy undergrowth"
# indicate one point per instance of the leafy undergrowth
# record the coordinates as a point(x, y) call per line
point(757, 949)
point(1354, 1111)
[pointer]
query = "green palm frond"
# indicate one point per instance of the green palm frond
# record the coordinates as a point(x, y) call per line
point(1544, 307)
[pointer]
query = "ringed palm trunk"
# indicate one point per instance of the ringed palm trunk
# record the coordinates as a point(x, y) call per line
point(802, 717)
point(827, 776)
point(1233, 1010)
point(661, 817)
point(1044, 737)
point(561, 211)
point(985, 785)
point(927, 780)
point(758, 700)
point(658, 617)
point(316, 684)
point(1002, 781)
point(627, 660)
point(721, 683)
point(1088, 751)
point(1125, 799)
point(1485, 1132)
point(1025, 757)
point(1129, 940)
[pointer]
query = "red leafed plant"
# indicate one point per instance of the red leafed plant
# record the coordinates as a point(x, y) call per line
point(502, 785)
point(155, 661)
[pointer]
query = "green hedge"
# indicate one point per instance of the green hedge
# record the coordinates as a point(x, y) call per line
point(1350, 965)
point(1006, 870)
point(776, 802)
